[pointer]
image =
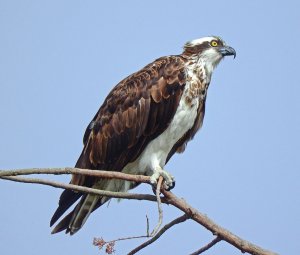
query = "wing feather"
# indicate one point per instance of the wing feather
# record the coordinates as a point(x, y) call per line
point(134, 113)
point(145, 109)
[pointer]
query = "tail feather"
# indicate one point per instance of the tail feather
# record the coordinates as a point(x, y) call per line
point(87, 204)
point(69, 197)
point(78, 216)
point(63, 224)
point(82, 211)
point(66, 200)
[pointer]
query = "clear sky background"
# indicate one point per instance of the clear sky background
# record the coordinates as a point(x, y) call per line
point(59, 59)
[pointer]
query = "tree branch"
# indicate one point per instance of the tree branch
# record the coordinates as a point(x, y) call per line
point(84, 189)
point(160, 211)
point(69, 170)
point(206, 247)
point(224, 234)
point(159, 233)
point(169, 197)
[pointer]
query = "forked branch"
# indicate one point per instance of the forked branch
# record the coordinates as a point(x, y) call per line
point(159, 233)
point(168, 197)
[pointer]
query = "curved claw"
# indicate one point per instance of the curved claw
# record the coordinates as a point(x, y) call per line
point(169, 182)
point(172, 186)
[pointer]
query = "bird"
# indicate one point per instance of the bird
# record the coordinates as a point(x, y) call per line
point(145, 119)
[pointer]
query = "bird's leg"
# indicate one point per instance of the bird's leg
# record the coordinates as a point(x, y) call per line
point(169, 180)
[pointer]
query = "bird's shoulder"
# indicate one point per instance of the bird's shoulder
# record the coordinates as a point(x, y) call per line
point(154, 82)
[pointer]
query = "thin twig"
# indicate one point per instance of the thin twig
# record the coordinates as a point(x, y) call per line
point(147, 232)
point(206, 247)
point(160, 211)
point(128, 238)
point(84, 189)
point(69, 170)
point(159, 234)
point(100, 242)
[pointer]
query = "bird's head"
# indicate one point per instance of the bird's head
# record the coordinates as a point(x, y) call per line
point(210, 50)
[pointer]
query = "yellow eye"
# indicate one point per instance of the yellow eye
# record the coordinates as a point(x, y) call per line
point(214, 43)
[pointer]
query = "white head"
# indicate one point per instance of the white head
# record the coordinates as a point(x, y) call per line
point(209, 50)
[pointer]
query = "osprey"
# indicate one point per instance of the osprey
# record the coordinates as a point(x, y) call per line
point(144, 120)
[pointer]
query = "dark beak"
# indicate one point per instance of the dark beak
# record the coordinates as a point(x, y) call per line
point(227, 51)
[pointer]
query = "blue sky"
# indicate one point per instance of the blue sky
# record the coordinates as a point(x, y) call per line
point(59, 59)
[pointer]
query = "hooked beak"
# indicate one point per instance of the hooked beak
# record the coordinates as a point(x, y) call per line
point(227, 51)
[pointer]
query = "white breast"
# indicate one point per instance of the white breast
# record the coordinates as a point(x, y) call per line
point(156, 152)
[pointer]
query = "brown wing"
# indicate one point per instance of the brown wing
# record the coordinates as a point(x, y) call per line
point(135, 112)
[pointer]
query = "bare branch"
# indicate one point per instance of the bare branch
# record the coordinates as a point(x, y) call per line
point(84, 189)
point(160, 211)
point(126, 238)
point(147, 232)
point(100, 242)
point(224, 234)
point(160, 233)
point(168, 198)
point(206, 247)
point(69, 170)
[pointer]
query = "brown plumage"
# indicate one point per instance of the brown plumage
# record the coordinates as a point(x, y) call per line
point(136, 111)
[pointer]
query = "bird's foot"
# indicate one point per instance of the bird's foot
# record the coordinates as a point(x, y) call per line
point(169, 180)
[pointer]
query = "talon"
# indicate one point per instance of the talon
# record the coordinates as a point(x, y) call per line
point(170, 186)
point(169, 182)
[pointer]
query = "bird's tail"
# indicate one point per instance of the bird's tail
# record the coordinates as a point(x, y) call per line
point(81, 212)
point(88, 203)
point(73, 221)
point(76, 218)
